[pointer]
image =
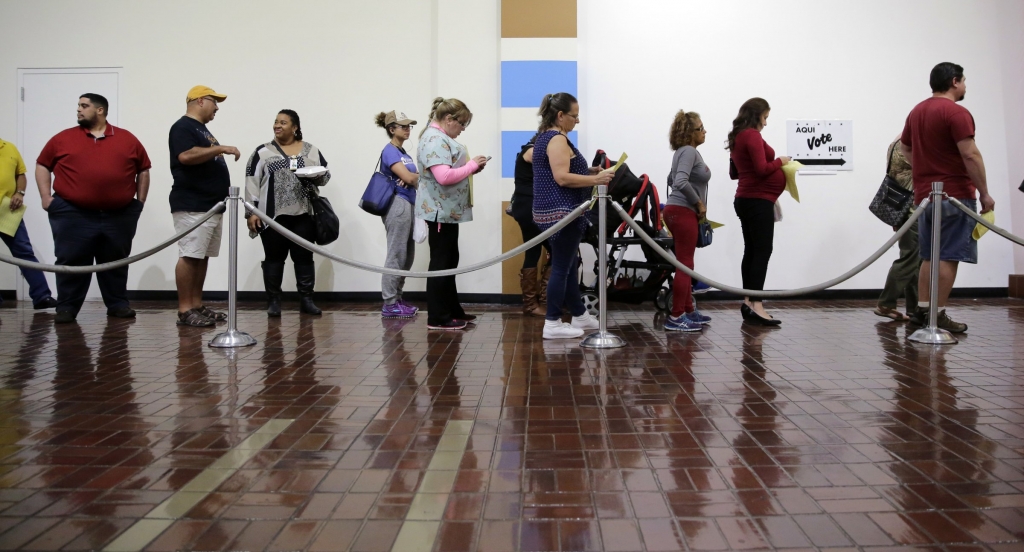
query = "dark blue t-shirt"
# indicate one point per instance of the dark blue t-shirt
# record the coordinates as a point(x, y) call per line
point(196, 188)
point(390, 156)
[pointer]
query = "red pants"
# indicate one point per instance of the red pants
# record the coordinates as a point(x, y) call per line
point(682, 222)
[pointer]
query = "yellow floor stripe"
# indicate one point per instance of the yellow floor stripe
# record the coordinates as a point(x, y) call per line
point(419, 531)
point(177, 505)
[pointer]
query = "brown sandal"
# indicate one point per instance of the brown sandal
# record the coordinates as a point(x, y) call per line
point(891, 314)
point(212, 314)
point(195, 319)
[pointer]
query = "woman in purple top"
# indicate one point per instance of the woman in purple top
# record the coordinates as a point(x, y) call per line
point(400, 168)
point(561, 182)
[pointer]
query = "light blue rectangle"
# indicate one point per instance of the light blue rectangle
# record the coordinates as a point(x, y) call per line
point(511, 142)
point(524, 83)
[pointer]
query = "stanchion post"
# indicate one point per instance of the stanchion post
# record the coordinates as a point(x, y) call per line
point(232, 337)
point(602, 339)
point(932, 333)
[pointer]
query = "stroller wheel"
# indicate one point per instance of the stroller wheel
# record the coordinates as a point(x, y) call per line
point(663, 300)
point(590, 301)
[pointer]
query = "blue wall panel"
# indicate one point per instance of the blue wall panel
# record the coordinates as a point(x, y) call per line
point(524, 83)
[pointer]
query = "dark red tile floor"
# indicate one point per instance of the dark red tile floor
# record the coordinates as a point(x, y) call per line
point(830, 433)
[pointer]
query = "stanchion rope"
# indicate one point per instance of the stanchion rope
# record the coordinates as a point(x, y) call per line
point(88, 269)
point(771, 293)
point(1015, 239)
point(323, 252)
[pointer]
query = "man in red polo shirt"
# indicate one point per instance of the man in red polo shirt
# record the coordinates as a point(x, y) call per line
point(98, 171)
point(938, 140)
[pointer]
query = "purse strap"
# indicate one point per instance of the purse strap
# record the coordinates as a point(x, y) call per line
point(892, 152)
point(278, 146)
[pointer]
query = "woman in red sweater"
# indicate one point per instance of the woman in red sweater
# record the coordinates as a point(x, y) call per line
point(761, 181)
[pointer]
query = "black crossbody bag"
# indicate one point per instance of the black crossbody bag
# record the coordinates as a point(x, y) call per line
point(892, 202)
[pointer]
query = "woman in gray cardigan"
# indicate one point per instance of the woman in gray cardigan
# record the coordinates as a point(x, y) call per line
point(685, 207)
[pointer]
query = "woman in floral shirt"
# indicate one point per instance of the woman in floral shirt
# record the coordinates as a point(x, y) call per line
point(444, 199)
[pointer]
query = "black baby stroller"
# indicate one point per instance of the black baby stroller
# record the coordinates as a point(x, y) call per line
point(630, 281)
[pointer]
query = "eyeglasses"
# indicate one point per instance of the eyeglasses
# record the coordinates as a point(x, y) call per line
point(571, 116)
point(405, 127)
point(701, 129)
point(463, 125)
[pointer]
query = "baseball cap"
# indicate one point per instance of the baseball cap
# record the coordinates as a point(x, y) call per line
point(199, 91)
point(398, 118)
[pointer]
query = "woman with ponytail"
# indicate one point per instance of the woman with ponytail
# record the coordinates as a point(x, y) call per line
point(561, 182)
point(271, 185)
point(761, 182)
point(399, 168)
point(444, 200)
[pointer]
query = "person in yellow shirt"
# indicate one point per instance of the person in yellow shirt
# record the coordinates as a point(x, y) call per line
point(12, 186)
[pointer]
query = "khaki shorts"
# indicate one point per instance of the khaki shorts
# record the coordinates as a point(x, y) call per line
point(203, 241)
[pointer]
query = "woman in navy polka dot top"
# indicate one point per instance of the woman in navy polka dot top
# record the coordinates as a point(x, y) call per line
point(561, 182)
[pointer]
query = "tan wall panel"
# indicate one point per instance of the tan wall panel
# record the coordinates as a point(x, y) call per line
point(511, 237)
point(538, 18)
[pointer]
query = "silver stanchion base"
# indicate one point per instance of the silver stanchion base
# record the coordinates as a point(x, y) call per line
point(232, 338)
point(603, 340)
point(933, 336)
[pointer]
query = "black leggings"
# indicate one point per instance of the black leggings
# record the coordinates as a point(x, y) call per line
point(522, 211)
point(276, 247)
point(442, 293)
point(757, 217)
point(530, 230)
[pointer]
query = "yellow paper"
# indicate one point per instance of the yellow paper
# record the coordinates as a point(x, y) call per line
point(9, 220)
point(789, 169)
point(714, 224)
point(615, 167)
point(980, 229)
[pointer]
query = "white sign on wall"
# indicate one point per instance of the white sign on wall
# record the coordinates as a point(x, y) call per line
point(821, 144)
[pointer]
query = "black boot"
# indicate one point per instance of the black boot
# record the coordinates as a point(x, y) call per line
point(305, 279)
point(273, 273)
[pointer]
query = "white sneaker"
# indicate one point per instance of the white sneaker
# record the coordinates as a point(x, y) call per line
point(556, 329)
point(586, 322)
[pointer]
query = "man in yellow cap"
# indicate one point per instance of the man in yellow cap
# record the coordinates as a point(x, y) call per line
point(201, 179)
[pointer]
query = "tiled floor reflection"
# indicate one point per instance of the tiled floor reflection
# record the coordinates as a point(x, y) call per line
point(830, 433)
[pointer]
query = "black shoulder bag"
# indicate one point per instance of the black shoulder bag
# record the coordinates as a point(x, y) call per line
point(892, 202)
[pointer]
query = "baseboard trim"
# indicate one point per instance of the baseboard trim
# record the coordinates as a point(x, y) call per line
point(326, 296)
point(512, 299)
point(972, 293)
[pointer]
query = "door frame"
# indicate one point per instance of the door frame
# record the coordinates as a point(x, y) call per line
point(21, 286)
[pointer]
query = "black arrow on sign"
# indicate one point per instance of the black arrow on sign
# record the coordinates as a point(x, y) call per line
point(839, 161)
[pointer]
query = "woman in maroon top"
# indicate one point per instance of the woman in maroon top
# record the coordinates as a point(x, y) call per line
point(761, 181)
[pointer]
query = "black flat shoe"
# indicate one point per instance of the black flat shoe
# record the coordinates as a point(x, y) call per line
point(758, 319)
point(745, 311)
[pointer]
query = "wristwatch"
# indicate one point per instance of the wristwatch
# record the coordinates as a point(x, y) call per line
point(22, 192)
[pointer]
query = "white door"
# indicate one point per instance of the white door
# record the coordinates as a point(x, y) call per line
point(47, 102)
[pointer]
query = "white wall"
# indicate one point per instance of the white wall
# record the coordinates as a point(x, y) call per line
point(1011, 52)
point(867, 61)
point(336, 63)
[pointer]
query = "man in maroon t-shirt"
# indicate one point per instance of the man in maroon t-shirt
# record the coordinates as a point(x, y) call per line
point(938, 139)
point(98, 171)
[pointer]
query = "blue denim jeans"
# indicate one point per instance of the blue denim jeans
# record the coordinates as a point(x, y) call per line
point(564, 284)
point(21, 248)
point(956, 242)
